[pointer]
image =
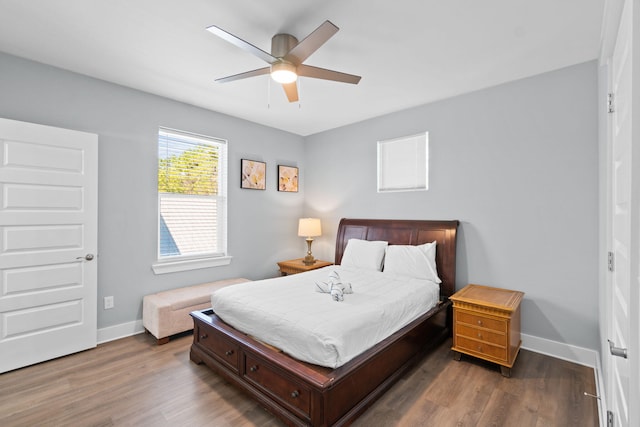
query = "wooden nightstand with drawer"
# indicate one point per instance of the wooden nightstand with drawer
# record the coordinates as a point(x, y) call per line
point(296, 266)
point(486, 324)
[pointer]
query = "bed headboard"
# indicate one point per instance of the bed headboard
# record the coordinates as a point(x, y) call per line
point(407, 232)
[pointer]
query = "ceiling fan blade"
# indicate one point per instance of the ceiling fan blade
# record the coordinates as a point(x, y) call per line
point(321, 73)
point(291, 89)
point(311, 43)
point(246, 74)
point(246, 46)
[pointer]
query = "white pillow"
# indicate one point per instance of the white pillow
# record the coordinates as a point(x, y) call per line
point(415, 261)
point(364, 254)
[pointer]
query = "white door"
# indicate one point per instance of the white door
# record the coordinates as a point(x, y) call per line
point(621, 361)
point(48, 242)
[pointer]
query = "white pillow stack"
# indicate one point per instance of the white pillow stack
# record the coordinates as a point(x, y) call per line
point(405, 260)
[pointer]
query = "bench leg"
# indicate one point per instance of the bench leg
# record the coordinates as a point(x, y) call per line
point(163, 340)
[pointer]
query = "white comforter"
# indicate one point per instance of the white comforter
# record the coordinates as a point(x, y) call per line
point(288, 313)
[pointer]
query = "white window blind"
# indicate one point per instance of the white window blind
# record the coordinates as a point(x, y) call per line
point(403, 163)
point(192, 196)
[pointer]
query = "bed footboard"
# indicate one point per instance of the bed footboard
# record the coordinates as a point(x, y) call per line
point(302, 394)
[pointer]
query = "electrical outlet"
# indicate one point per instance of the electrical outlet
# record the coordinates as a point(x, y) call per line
point(108, 303)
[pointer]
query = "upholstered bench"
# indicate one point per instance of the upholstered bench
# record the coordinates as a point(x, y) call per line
point(167, 313)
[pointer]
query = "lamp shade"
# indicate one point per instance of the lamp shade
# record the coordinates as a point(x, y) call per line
point(309, 227)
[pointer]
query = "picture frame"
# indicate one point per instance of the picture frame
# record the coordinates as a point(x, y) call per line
point(253, 174)
point(288, 179)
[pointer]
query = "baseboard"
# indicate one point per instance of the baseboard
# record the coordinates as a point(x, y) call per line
point(600, 392)
point(122, 330)
point(571, 353)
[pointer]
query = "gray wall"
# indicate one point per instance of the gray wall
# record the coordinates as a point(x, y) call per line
point(262, 224)
point(517, 164)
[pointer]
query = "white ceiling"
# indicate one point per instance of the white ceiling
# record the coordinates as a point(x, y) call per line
point(408, 52)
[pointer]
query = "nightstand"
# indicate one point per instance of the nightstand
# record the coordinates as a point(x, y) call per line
point(295, 266)
point(486, 324)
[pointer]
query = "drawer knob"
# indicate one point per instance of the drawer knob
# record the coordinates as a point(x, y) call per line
point(479, 348)
point(253, 368)
point(480, 336)
point(480, 322)
point(228, 352)
point(295, 393)
point(203, 336)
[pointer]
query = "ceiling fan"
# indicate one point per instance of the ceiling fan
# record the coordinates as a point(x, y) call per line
point(287, 57)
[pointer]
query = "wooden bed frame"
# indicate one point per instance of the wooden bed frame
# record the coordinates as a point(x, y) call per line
point(303, 394)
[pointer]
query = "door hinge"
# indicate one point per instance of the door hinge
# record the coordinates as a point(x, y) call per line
point(610, 261)
point(609, 419)
point(610, 105)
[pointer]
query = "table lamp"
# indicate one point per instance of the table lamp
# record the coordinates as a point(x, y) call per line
point(309, 227)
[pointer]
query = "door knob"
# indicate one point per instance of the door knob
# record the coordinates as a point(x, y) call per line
point(88, 257)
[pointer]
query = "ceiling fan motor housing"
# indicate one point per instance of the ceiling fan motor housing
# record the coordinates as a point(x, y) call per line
point(281, 44)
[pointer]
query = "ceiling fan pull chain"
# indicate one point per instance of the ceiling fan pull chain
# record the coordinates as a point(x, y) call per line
point(268, 93)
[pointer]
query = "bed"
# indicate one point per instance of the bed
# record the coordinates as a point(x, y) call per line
point(302, 393)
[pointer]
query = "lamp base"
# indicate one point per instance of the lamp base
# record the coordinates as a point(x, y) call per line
point(309, 260)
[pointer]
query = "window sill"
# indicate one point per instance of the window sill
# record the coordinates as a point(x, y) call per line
point(189, 264)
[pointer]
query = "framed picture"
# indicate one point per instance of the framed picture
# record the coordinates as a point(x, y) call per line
point(253, 174)
point(287, 179)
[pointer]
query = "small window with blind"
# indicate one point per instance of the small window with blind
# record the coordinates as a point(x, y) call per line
point(403, 163)
point(192, 201)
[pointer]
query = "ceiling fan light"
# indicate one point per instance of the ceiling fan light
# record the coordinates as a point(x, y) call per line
point(284, 72)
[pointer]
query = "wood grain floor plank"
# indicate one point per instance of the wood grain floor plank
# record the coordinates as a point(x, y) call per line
point(134, 382)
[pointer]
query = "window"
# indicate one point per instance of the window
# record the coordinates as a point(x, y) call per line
point(403, 164)
point(192, 201)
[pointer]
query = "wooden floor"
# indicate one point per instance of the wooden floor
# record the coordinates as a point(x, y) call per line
point(133, 382)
